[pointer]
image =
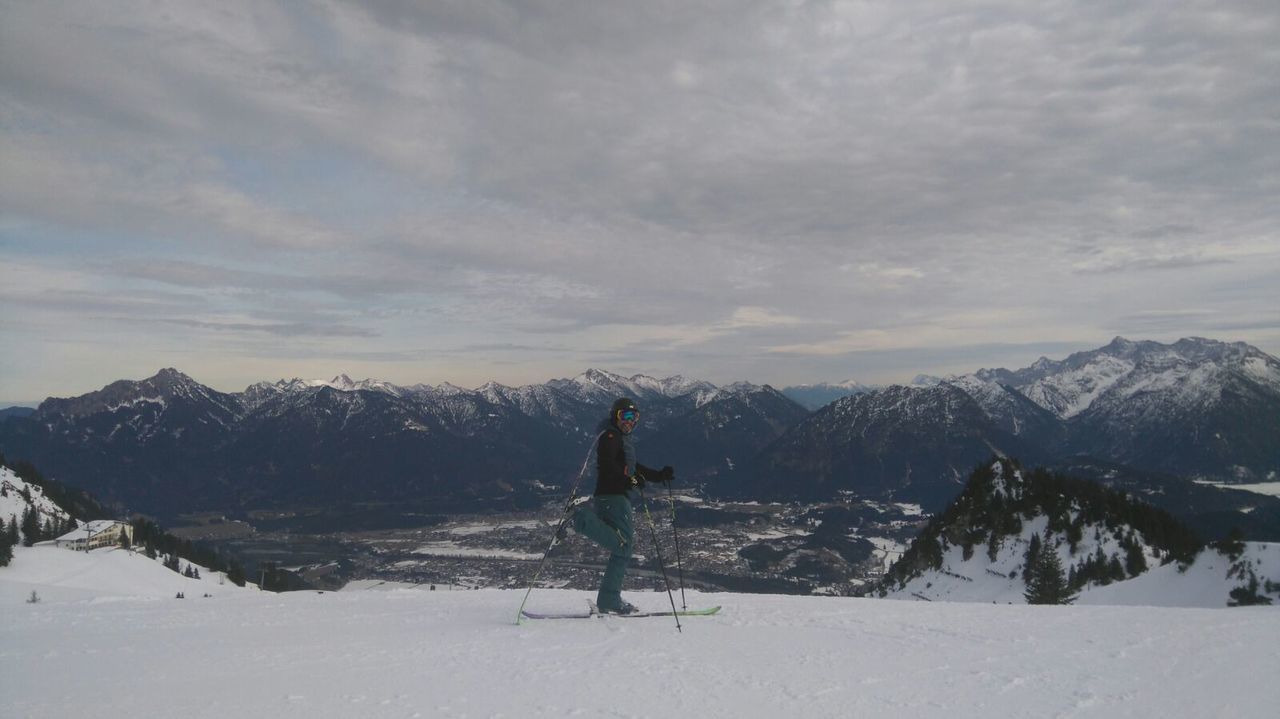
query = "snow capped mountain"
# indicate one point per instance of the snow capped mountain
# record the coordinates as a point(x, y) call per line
point(1194, 368)
point(1197, 406)
point(911, 444)
point(169, 444)
point(1011, 410)
point(599, 386)
point(168, 389)
point(983, 546)
point(1194, 409)
point(723, 430)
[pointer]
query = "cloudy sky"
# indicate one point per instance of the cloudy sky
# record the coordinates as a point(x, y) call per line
point(783, 192)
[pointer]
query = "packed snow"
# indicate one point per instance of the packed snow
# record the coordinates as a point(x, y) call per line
point(104, 641)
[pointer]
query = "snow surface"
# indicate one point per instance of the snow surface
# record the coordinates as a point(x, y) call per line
point(58, 574)
point(13, 504)
point(1200, 585)
point(114, 649)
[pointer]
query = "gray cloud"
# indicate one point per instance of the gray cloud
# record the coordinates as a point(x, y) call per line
point(746, 189)
point(291, 329)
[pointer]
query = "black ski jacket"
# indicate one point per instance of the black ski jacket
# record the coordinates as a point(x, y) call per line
point(612, 476)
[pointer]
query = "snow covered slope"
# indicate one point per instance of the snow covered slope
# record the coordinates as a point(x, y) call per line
point(1206, 583)
point(1111, 548)
point(16, 495)
point(57, 574)
point(415, 653)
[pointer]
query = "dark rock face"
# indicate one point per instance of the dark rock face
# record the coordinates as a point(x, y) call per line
point(906, 443)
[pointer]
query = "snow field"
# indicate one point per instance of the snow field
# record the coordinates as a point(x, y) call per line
point(56, 574)
point(415, 653)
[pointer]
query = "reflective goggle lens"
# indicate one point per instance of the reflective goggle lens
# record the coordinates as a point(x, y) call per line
point(629, 415)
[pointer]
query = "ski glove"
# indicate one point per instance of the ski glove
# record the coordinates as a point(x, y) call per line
point(666, 475)
point(637, 481)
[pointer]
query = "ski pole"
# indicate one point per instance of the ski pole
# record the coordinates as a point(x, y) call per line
point(653, 531)
point(675, 533)
point(573, 494)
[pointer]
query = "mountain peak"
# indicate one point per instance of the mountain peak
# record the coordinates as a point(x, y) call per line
point(598, 377)
point(171, 374)
point(170, 380)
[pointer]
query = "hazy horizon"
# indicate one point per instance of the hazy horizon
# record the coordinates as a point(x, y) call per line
point(904, 377)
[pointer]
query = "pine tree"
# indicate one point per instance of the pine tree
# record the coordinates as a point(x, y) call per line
point(1075, 533)
point(1048, 585)
point(6, 547)
point(1233, 545)
point(1033, 554)
point(1115, 570)
point(30, 527)
point(1135, 562)
point(993, 545)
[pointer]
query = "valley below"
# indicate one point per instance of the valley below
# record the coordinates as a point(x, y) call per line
point(831, 548)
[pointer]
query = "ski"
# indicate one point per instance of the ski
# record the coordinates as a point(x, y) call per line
point(705, 612)
point(553, 615)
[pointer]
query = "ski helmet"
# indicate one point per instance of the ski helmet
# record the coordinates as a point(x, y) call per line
point(623, 404)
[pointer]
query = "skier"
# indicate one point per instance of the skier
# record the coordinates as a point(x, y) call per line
point(609, 521)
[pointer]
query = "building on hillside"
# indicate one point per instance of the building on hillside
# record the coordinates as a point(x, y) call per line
point(98, 533)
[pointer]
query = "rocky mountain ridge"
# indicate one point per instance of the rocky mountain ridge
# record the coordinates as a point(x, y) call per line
point(169, 443)
point(1143, 415)
point(1196, 409)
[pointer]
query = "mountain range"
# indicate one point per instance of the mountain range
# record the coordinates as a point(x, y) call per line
point(169, 444)
point(1194, 409)
point(1145, 415)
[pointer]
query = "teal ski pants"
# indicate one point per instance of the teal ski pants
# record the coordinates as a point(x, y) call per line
point(609, 524)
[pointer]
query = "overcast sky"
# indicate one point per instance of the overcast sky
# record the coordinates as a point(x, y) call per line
point(782, 192)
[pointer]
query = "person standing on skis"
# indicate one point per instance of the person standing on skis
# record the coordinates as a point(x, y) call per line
point(609, 521)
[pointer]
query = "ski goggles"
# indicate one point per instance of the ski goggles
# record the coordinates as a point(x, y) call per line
point(628, 415)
